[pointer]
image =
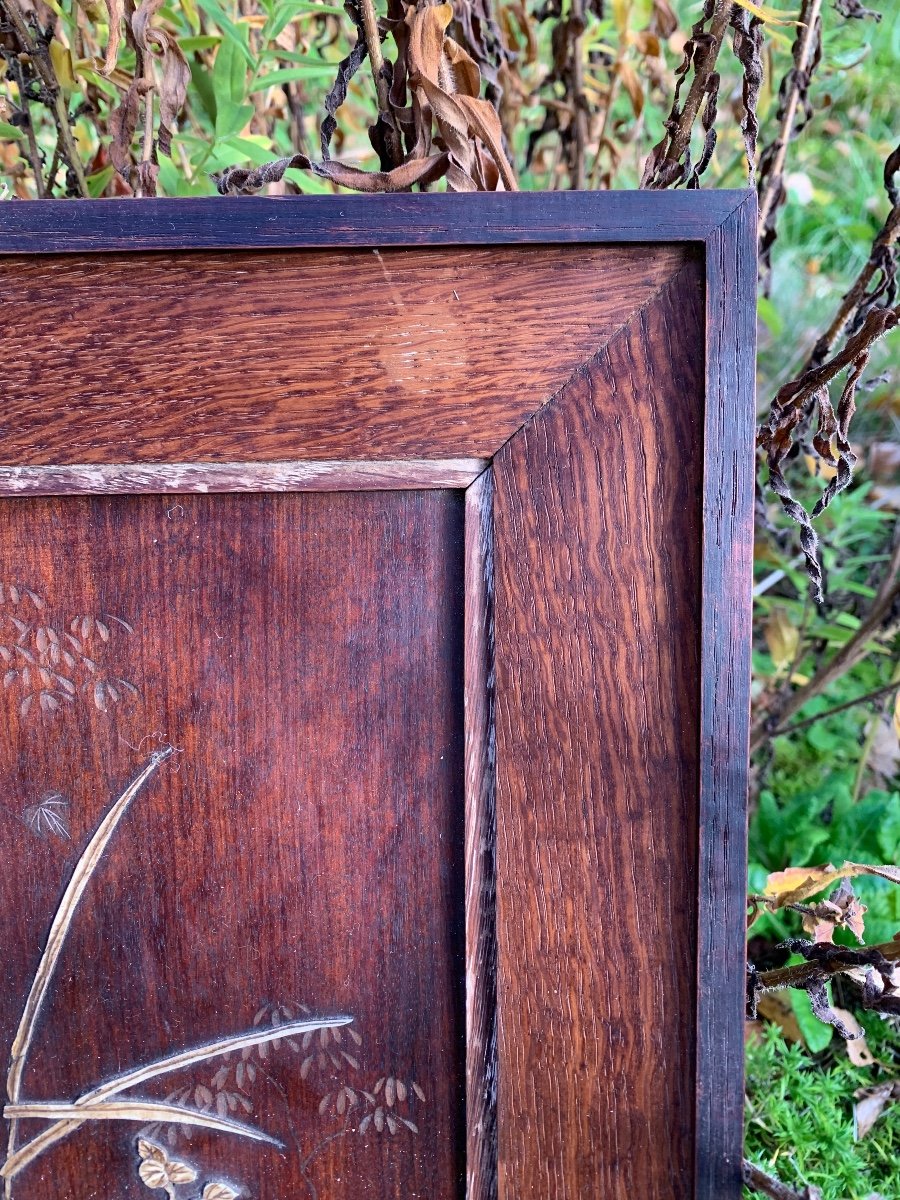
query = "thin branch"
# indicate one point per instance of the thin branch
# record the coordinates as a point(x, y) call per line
point(34, 154)
point(776, 436)
point(797, 82)
point(767, 1185)
point(579, 104)
point(857, 295)
point(806, 974)
point(664, 165)
point(838, 708)
point(880, 620)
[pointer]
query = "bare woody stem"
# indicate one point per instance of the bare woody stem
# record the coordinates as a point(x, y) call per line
point(767, 1185)
point(809, 18)
point(679, 135)
point(879, 620)
point(373, 44)
point(888, 235)
point(579, 177)
point(806, 973)
point(44, 66)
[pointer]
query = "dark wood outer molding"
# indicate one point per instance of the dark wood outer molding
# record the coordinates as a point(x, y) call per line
point(721, 226)
point(487, 218)
point(725, 698)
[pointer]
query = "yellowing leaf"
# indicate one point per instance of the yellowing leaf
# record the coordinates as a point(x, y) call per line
point(62, 65)
point(632, 86)
point(818, 468)
point(771, 16)
point(797, 884)
point(782, 638)
point(857, 1048)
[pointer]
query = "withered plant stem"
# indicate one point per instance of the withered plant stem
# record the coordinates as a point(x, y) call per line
point(767, 1185)
point(44, 66)
point(887, 236)
point(579, 176)
point(376, 59)
point(806, 973)
point(809, 19)
point(679, 137)
point(877, 621)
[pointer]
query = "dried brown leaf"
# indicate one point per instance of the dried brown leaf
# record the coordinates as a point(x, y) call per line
point(116, 11)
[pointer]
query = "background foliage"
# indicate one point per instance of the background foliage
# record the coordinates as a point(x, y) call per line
point(113, 98)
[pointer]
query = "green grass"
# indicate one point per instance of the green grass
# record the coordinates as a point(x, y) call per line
point(799, 1111)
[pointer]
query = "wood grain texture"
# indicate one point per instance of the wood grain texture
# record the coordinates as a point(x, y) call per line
point(303, 845)
point(481, 841)
point(597, 520)
point(74, 226)
point(725, 700)
point(359, 476)
point(604, 990)
point(239, 357)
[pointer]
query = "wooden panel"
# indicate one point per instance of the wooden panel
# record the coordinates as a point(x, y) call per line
point(320, 354)
point(302, 845)
point(431, 218)
point(597, 610)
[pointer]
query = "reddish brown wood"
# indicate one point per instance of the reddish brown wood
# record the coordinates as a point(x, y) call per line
point(319, 354)
point(620, 521)
point(597, 609)
point(302, 845)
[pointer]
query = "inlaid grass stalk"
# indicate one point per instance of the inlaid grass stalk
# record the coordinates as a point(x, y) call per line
point(96, 1104)
point(86, 1107)
point(59, 930)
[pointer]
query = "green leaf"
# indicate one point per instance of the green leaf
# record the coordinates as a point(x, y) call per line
point(817, 1034)
point(770, 316)
point(98, 181)
point(229, 78)
point(257, 150)
point(203, 42)
point(311, 70)
point(9, 131)
point(237, 35)
point(285, 12)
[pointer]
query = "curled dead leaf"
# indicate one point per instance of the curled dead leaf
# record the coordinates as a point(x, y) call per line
point(115, 11)
point(857, 1047)
point(870, 1104)
point(796, 884)
point(241, 181)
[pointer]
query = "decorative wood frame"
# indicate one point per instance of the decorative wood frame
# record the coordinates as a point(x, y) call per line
point(573, 500)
